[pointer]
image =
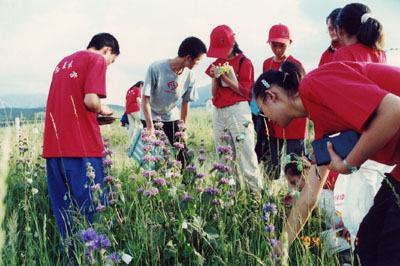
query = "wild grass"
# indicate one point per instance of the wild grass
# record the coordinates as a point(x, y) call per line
point(179, 225)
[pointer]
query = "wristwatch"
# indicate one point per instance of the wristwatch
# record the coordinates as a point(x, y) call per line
point(351, 168)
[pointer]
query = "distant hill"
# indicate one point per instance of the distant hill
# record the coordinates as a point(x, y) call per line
point(23, 100)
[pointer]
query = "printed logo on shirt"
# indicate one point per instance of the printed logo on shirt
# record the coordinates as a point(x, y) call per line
point(73, 75)
point(172, 85)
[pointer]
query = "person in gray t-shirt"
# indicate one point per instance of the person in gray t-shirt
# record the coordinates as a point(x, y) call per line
point(168, 81)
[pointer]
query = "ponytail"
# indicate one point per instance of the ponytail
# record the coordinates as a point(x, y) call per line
point(288, 77)
point(355, 20)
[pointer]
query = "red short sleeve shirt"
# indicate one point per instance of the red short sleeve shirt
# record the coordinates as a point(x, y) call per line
point(225, 95)
point(298, 128)
point(71, 130)
point(326, 56)
point(131, 100)
point(358, 52)
point(340, 96)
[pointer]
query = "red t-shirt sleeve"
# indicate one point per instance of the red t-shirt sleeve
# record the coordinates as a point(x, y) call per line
point(95, 81)
point(345, 92)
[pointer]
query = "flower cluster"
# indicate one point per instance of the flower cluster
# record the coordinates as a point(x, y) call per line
point(270, 209)
point(99, 242)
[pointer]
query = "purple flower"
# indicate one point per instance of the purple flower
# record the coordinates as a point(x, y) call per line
point(151, 192)
point(88, 235)
point(42, 166)
point(265, 216)
point(273, 242)
point(106, 138)
point(147, 148)
point(270, 207)
point(95, 187)
point(159, 143)
point(215, 201)
point(228, 158)
point(165, 150)
point(159, 181)
point(231, 194)
point(269, 228)
point(159, 124)
point(224, 181)
point(108, 179)
point(179, 145)
point(115, 258)
point(198, 175)
point(107, 144)
point(202, 150)
point(158, 132)
point(132, 177)
point(100, 208)
point(201, 159)
point(112, 202)
point(212, 191)
point(140, 190)
point(191, 168)
point(149, 173)
point(180, 134)
point(107, 162)
point(91, 174)
point(186, 197)
point(164, 137)
point(225, 137)
point(117, 186)
point(200, 189)
point(102, 241)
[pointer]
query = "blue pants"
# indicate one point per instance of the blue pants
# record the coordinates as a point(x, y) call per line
point(69, 190)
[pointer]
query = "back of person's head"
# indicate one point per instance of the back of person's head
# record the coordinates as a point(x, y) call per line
point(333, 15)
point(356, 20)
point(104, 40)
point(295, 164)
point(288, 77)
point(192, 46)
point(138, 84)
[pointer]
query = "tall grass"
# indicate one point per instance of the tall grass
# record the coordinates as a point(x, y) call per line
point(180, 225)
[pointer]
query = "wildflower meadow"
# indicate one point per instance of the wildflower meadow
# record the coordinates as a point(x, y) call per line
point(153, 213)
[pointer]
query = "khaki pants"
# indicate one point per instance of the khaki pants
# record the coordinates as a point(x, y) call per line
point(134, 123)
point(237, 119)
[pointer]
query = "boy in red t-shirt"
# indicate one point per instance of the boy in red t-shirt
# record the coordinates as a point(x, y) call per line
point(72, 138)
point(279, 40)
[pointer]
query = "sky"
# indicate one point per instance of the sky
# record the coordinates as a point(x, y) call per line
point(37, 34)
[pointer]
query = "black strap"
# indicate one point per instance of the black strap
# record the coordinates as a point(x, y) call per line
point(241, 62)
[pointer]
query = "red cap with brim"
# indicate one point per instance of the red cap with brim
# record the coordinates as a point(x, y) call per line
point(222, 40)
point(279, 33)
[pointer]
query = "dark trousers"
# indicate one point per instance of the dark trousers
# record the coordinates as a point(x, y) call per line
point(170, 128)
point(69, 190)
point(259, 126)
point(378, 238)
point(273, 149)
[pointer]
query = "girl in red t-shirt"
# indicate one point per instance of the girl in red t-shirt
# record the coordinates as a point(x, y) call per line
point(231, 95)
point(295, 133)
point(360, 35)
point(327, 56)
point(337, 97)
point(133, 99)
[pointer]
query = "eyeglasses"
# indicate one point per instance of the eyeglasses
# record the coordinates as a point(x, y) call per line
point(259, 107)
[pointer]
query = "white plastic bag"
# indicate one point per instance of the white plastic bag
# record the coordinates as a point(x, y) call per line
point(354, 194)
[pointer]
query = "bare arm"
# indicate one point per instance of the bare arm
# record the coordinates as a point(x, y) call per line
point(214, 86)
point(147, 112)
point(92, 102)
point(184, 111)
point(379, 132)
point(303, 206)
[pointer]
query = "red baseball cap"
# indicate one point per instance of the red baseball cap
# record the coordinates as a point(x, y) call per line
point(279, 33)
point(222, 40)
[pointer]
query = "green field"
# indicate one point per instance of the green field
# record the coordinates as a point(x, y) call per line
point(180, 225)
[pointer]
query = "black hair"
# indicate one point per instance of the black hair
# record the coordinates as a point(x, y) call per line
point(333, 15)
point(236, 49)
point(192, 46)
point(137, 84)
point(101, 40)
point(288, 77)
point(369, 33)
point(296, 164)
